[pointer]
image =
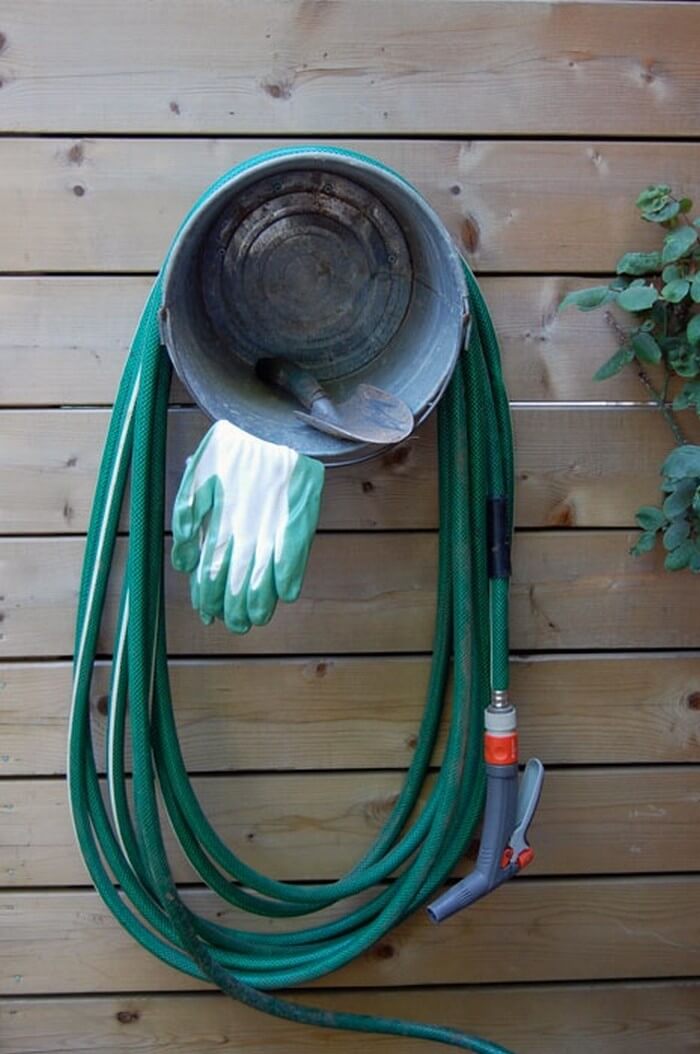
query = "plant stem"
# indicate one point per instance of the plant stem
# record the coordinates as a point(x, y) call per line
point(663, 406)
point(658, 397)
point(667, 381)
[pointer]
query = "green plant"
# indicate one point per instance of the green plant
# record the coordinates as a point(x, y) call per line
point(660, 291)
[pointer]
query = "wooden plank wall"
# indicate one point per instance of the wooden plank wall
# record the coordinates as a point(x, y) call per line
point(530, 127)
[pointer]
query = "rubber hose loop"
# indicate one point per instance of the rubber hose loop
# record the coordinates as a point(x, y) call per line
point(123, 844)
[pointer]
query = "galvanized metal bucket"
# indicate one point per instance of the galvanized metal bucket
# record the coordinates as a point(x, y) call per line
point(325, 257)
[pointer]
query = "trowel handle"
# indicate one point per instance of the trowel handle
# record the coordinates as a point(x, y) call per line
point(281, 373)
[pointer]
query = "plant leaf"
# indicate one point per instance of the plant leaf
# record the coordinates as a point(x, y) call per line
point(614, 364)
point(639, 263)
point(683, 359)
point(671, 272)
point(693, 330)
point(696, 502)
point(676, 504)
point(645, 347)
point(649, 518)
point(652, 194)
point(675, 291)
point(662, 214)
point(659, 316)
point(676, 533)
point(637, 297)
point(679, 557)
point(688, 396)
point(685, 204)
point(678, 243)
point(587, 299)
point(644, 544)
point(695, 288)
point(681, 462)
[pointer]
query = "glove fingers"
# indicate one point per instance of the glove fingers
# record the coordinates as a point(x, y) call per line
point(261, 599)
point(235, 604)
point(212, 580)
point(194, 591)
point(192, 481)
point(212, 569)
point(195, 498)
point(292, 552)
point(188, 516)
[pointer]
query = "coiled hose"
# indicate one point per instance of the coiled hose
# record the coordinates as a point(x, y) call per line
point(123, 845)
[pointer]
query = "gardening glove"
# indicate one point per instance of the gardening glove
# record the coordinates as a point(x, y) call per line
point(243, 522)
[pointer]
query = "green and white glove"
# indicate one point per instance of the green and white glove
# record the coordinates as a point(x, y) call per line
point(243, 522)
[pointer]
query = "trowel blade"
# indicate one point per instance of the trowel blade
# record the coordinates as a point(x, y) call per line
point(369, 415)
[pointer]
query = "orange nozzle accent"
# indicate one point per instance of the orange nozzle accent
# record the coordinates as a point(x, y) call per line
point(500, 749)
point(507, 856)
point(525, 857)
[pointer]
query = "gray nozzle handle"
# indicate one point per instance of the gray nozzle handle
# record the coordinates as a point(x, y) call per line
point(507, 816)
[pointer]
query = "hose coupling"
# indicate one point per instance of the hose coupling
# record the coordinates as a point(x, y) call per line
point(500, 699)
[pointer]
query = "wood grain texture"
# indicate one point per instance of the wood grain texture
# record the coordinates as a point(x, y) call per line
point(577, 590)
point(315, 827)
point(299, 738)
point(572, 470)
point(64, 340)
point(619, 927)
point(355, 713)
point(311, 67)
point(561, 1019)
point(511, 206)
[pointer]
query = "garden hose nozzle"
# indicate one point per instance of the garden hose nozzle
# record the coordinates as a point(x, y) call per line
point(504, 848)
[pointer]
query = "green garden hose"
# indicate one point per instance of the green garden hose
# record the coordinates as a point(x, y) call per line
point(123, 844)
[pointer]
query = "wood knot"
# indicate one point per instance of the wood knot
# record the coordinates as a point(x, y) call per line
point(384, 951)
point(412, 741)
point(79, 190)
point(649, 71)
point(376, 811)
point(127, 1017)
point(455, 189)
point(367, 486)
point(321, 669)
point(278, 89)
point(174, 106)
point(102, 705)
point(562, 515)
point(470, 233)
point(694, 700)
point(3, 41)
point(398, 456)
point(76, 154)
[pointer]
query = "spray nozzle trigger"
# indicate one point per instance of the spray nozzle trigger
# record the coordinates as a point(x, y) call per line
point(529, 793)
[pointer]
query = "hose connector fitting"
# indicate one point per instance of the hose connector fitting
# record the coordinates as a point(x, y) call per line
point(500, 700)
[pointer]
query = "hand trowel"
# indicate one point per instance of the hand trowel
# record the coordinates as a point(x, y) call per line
point(369, 415)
